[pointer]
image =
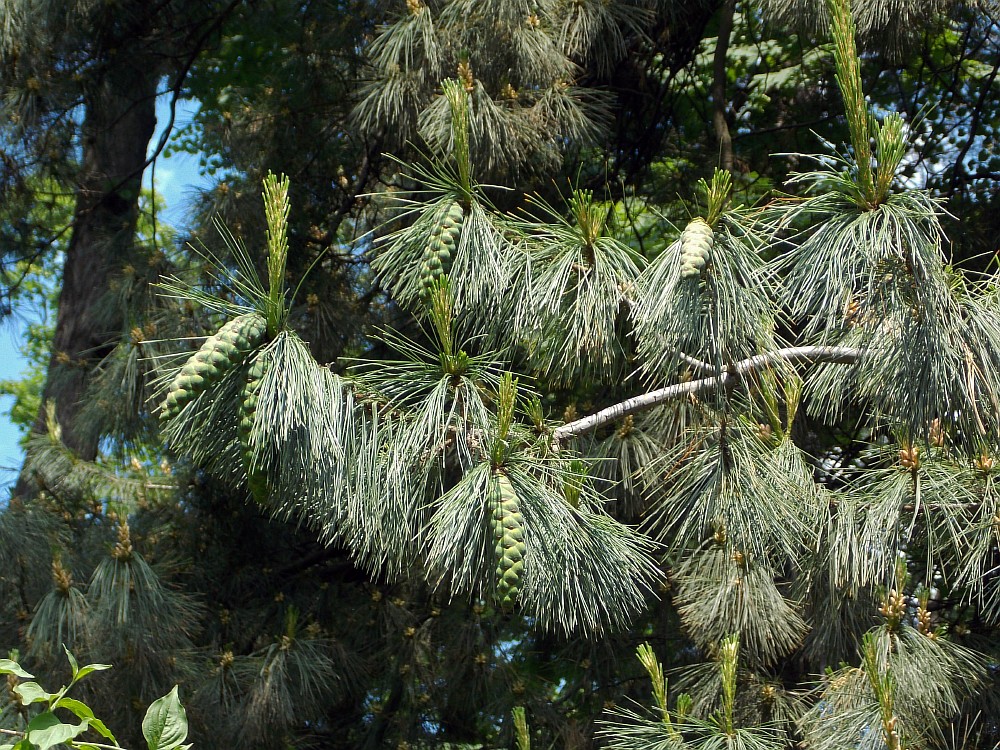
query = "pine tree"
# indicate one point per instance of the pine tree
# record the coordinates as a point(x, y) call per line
point(763, 451)
point(471, 485)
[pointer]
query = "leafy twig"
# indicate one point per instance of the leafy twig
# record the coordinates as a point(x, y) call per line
point(88, 743)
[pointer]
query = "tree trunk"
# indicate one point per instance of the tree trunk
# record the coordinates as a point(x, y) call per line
point(720, 103)
point(119, 120)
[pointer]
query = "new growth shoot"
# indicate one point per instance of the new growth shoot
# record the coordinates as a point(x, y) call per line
point(506, 398)
point(717, 194)
point(458, 100)
point(872, 187)
point(276, 209)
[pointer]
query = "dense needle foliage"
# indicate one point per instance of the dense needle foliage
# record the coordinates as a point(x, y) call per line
point(491, 427)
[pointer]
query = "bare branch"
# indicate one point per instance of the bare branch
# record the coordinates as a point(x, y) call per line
point(696, 363)
point(736, 371)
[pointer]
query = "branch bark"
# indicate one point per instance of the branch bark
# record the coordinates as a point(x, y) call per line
point(736, 372)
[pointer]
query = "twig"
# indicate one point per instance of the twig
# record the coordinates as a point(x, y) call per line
point(834, 354)
point(973, 127)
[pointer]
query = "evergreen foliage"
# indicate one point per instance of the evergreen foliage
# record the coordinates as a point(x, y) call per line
point(751, 433)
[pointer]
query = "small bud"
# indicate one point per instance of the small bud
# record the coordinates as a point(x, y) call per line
point(62, 577)
point(628, 424)
point(924, 625)
point(123, 547)
point(465, 75)
point(570, 414)
point(935, 434)
point(909, 457)
point(852, 312)
point(719, 537)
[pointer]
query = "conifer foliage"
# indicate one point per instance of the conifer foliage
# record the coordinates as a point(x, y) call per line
point(763, 451)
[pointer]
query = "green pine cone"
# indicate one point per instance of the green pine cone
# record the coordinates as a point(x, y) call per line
point(697, 241)
point(439, 252)
point(219, 354)
point(508, 532)
point(256, 477)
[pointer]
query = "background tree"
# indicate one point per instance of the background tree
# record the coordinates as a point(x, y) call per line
point(80, 85)
point(440, 533)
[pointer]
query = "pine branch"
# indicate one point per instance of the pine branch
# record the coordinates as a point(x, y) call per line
point(736, 371)
point(695, 363)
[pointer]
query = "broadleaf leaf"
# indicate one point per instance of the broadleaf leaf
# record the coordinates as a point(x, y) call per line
point(165, 726)
point(83, 711)
point(12, 667)
point(46, 730)
point(84, 671)
point(32, 692)
point(73, 665)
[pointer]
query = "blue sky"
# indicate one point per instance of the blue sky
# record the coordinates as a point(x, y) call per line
point(176, 177)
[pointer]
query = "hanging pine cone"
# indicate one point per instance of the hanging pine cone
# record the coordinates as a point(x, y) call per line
point(219, 354)
point(508, 531)
point(697, 241)
point(440, 249)
point(256, 477)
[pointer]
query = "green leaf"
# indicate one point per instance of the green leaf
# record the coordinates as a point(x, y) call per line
point(83, 711)
point(165, 726)
point(84, 671)
point(46, 730)
point(74, 667)
point(12, 667)
point(31, 692)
